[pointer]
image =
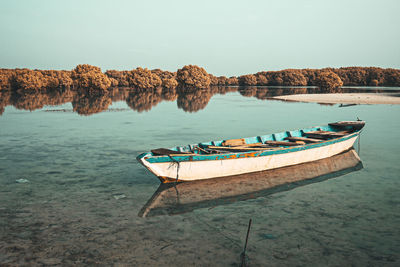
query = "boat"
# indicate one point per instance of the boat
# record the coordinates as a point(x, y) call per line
point(178, 198)
point(223, 158)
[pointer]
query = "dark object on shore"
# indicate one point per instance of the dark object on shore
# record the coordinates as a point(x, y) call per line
point(243, 256)
point(347, 105)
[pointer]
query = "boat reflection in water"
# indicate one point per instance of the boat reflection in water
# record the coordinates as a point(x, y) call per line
point(170, 199)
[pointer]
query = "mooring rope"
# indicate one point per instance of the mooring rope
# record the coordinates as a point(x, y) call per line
point(177, 168)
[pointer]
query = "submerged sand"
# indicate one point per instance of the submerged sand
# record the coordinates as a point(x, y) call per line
point(349, 98)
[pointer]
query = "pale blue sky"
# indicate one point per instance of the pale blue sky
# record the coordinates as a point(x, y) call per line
point(226, 37)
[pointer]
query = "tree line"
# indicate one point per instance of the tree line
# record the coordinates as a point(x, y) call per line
point(92, 80)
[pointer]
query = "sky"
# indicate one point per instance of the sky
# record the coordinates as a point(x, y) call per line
point(225, 37)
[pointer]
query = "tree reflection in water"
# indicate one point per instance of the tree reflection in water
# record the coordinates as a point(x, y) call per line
point(88, 102)
point(144, 100)
point(193, 100)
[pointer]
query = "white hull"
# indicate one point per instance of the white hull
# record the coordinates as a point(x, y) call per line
point(205, 169)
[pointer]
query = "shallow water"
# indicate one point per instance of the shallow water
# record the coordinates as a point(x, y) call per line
point(85, 189)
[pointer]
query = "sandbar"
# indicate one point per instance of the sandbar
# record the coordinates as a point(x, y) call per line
point(346, 98)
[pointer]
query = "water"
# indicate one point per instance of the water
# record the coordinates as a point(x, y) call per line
point(85, 190)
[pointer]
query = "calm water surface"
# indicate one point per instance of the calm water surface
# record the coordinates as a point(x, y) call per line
point(84, 190)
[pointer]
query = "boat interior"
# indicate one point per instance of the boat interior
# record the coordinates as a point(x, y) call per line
point(266, 142)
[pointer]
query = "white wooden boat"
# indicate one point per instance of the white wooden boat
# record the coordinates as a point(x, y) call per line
point(180, 198)
point(253, 154)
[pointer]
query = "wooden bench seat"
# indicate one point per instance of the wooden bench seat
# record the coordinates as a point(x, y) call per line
point(304, 139)
point(283, 143)
point(325, 134)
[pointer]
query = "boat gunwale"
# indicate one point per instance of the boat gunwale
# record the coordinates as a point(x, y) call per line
point(243, 154)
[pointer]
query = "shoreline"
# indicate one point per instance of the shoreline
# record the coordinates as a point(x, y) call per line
point(342, 98)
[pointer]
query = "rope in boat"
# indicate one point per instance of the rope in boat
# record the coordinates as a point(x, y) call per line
point(177, 168)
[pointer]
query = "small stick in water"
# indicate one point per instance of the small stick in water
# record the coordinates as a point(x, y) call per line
point(243, 254)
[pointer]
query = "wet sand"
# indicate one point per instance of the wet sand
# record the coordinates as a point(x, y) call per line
point(349, 98)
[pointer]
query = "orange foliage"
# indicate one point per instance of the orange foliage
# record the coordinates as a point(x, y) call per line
point(328, 79)
point(143, 79)
point(168, 79)
point(248, 79)
point(310, 75)
point(392, 77)
point(232, 81)
point(219, 81)
point(222, 80)
point(374, 82)
point(164, 74)
point(58, 78)
point(120, 76)
point(360, 76)
point(29, 79)
point(376, 77)
point(352, 75)
point(192, 76)
point(261, 78)
point(90, 78)
point(6, 76)
point(37, 80)
point(213, 79)
point(169, 83)
point(286, 78)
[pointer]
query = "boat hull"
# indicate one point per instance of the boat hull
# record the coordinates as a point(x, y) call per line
point(192, 170)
